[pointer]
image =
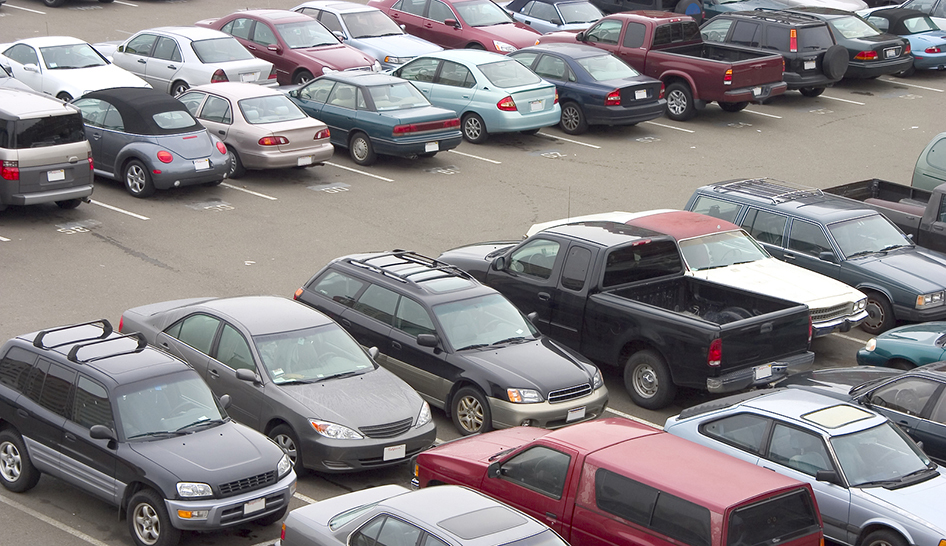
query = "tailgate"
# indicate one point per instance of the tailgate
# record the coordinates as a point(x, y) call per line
point(757, 72)
point(764, 338)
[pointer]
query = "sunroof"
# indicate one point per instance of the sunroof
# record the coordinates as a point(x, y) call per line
point(480, 523)
point(837, 416)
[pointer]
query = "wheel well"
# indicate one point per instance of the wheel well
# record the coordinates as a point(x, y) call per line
point(637, 346)
point(130, 491)
point(677, 79)
point(300, 70)
point(878, 527)
point(474, 44)
point(456, 387)
point(900, 364)
point(273, 423)
point(433, 483)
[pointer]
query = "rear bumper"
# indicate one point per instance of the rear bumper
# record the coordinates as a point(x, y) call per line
point(937, 62)
point(840, 324)
point(546, 415)
point(185, 175)
point(760, 375)
point(873, 69)
point(797, 81)
point(416, 145)
point(274, 159)
point(506, 122)
point(757, 93)
point(621, 115)
point(51, 196)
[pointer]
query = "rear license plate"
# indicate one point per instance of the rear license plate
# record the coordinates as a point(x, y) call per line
point(394, 452)
point(55, 176)
point(890, 53)
point(201, 164)
point(254, 506)
point(250, 77)
point(756, 91)
point(640, 94)
point(432, 147)
point(535, 105)
point(306, 160)
point(810, 65)
point(575, 414)
point(761, 372)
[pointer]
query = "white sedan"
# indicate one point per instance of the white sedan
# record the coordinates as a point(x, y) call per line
point(64, 67)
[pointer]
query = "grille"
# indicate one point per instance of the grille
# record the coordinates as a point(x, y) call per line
point(247, 484)
point(830, 313)
point(388, 430)
point(571, 393)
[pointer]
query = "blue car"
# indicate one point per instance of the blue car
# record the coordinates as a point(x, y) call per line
point(927, 41)
point(490, 92)
point(377, 114)
point(368, 29)
point(906, 347)
point(594, 86)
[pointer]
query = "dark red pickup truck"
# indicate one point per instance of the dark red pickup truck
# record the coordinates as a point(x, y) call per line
point(669, 47)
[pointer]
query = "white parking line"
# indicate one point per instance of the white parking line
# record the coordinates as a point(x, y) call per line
point(116, 209)
point(61, 526)
point(556, 137)
point(25, 9)
point(632, 418)
point(849, 338)
point(267, 543)
point(4, 240)
point(669, 127)
point(901, 82)
point(359, 172)
point(493, 161)
point(842, 100)
point(126, 3)
point(762, 114)
point(251, 192)
point(304, 498)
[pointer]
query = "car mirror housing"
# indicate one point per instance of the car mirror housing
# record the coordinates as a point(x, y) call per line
point(102, 432)
point(427, 340)
point(829, 476)
point(225, 401)
point(556, 21)
point(494, 470)
point(275, 49)
point(294, 93)
point(339, 34)
point(31, 67)
point(244, 374)
point(373, 353)
point(580, 36)
point(827, 256)
point(451, 23)
point(499, 263)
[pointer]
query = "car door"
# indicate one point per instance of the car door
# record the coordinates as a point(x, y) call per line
point(568, 312)
point(426, 369)
point(435, 29)
point(265, 44)
point(25, 65)
point(907, 401)
point(806, 243)
point(93, 117)
point(339, 111)
point(410, 14)
point(114, 139)
point(216, 115)
point(454, 87)
point(192, 339)
point(165, 63)
point(932, 429)
point(136, 53)
point(87, 462)
point(632, 49)
point(540, 16)
point(529, 279)
point(43, 408)
point(371, 316)
point(768, 228)
point(421, 73)
point(605, 34)
point(311, 99)
point(231, 353)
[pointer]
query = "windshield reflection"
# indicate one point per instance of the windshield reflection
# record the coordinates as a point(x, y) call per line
point(866, 235)
point(880, 454)
point(311, 354)
point(721, 250)
point(483, 321)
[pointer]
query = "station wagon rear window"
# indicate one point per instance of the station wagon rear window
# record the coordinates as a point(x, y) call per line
point(508, 73)
point(41, 132)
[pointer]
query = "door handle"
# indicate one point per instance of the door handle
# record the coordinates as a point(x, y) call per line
point(23, 413)
point(172, 67)
point(214, 373)
point(142, 61)
point(788, 256)
point(544, 296)
point(395, 345)
point(251, 48)
point(70, 437)
point(346, 322)
point(165, 344)
point(550, 515)
point(222, 133)
point(96, 136)
point(938, 228)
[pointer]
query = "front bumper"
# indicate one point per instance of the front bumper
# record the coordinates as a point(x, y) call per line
point(623, 115)
point(757, 376)
point(912, 314)
point(328, 455)
point(873, 69)
point(231, 510)
point(756, 93)
point(546, 415)
point(274, 159)
point(840, 324)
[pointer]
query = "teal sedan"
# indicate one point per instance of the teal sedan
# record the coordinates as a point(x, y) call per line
point(906, 347)
point(377, 114)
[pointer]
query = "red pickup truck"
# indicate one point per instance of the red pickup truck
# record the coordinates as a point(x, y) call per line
point(669, 47)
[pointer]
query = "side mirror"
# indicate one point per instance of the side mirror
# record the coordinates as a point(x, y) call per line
point(920, 445)
point(275, 49)
point(294, 93)
point(403, 27)
point(121, 49)
point(451, 23)
point(556, 21)
point(829, 476)
point(246, 375)
point(225, 401)
point(827, 256)
point(339, 34)
point(532, 316)
point(499, 263)
point(31, 68)
point(427, 340)
point(373, 353)
point(494, 470)
point(102, 432)
point(580, 36)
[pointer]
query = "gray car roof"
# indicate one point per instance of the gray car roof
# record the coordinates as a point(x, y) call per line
point(262, 315)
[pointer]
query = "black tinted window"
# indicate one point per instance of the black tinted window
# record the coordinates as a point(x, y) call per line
point(634, 35)
point(776, 37)
point(808, 238)
point(378, 303)
point(765, 226)
point(47, 131)
point(34, 383)
point(742, 430)
point(338, 287)
point(91, 404)
point(55, 395)
point(624, 497)
point(540, 469)
point(717, 208)
point(575, 270)
point(676, 32)
point(746, 33)
point(15, 368)
point(814, 38)
point(642, 261)
point(773, 521)
point(681, 519)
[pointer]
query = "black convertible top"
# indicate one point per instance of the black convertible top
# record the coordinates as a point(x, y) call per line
point(138, 106)
point(897, 18)
point(516, 5)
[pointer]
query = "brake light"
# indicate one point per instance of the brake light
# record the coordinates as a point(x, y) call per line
point(507, 104)
point(219, 76)
point(91, 163)
point(793, 41)
point(450, 124)
point(866, 56)
point(405, 129)
point(661, 91)
point(556, 97)
point(810, 330)
point(282, 534)
point(934, 49)
point(727, 79)
point(298, 293)
point(165, 156)
point(273, 140)
point(272, 74)
point(324, 133)
point(11, 170)
point(613, 98)
point(121, 323)
point(715, 354)
point(907, 49)
point(221, 147)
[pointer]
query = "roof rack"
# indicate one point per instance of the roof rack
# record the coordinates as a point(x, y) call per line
point(408, 257)
point(776, 11)
point(142, 343)
point(769, 188)
point(106, 331)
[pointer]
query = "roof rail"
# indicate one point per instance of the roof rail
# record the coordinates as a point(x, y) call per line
point(409, 257)
point(769, 188)
point(106, 331)
point(142, 343)
point(777, 11)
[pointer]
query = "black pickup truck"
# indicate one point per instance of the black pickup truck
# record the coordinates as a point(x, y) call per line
point(618, 295)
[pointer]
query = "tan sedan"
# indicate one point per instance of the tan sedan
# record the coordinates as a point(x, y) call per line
point(261, 127)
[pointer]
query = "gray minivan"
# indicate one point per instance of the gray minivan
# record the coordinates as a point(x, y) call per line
point(44, 154)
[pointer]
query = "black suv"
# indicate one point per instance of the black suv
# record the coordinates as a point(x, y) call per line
point(135, 427)
point(813, 60)
point(462, 345)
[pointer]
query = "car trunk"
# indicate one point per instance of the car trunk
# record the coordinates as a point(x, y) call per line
point(196, 145)
point(299, 132)
point(534, 100)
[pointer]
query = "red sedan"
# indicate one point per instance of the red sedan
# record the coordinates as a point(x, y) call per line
point(457, 24)
point(298, 46)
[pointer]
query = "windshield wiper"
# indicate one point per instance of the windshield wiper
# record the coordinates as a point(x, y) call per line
point(861, 253)
point(202, 421)
point(156, 433)
point(892, 247)
point(474, 346)
point(516, 339)
point(341, 375)
point(500, 454)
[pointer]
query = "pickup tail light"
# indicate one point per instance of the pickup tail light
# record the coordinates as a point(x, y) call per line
point(613, 98)
point(727, 78)
point(11, 170)
point(282, 534)
point(866, 56)
point(273, 140)
point(506, 104)
point(714, 356)
point(219, 76)
point(324, 133)
point(793, 41)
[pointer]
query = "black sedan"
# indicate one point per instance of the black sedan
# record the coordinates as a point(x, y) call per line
point(913, 400)
point(872, 52)
point(594, 87)
point(148, 140)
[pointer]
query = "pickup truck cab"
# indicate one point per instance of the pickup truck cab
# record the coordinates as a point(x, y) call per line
point(669, 47)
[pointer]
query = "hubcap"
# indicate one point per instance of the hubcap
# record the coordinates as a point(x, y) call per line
point(470, 414)
point(570, 118)
point(676, 102)
point(287, 445)
point(645, 381)
point(360, 147)
point(233, 161)
point(180, 89)
point(135, 178)
point(147, 524)
point(472, 128)
point(875, 315)
point(10, 463)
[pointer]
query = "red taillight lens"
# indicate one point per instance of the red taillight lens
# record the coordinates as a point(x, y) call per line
point(810, 330)
point(219, 76)
point(273, 140)
point(727, 78)
point(450, 124)
point(11, 170)
point(793, 41)
point(866, 56)
point(613, 98)
point(324, 133)
point(662, 89)
point(272, 74)
point(165, 157)
point(121, 323)
point(933, 49)
point(404, 129)
point(715, 355)
point(221, 147)
point(91, 163)
point(507, 104)
point(556, 96)
point(282, 534)
point(298, 293)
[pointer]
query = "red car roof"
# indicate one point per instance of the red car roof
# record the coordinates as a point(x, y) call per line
point(682, 224)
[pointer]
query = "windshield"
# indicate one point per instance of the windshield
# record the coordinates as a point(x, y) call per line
point(160, 406)
point(482, 321)
point(854, 27)
point(866, 235)
point(259, 110)
point(579, 12)
point(397, 96)
point(370, 24)
point(880, 454)
point(508, 73)
point(607, 67)
point(311, 354)
point(720, 250)
point(71, 56)
point(303, 34)
point(220, 50)
point(481, 13)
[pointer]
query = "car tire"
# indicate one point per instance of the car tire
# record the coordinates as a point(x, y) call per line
point(470, 411)
point(475, 45)
point(64, 97)
point(68, 203)
point(287, 440)
point(236, 165)
point(148, 520)
point(835, 61)
point(270, 519)
point(137, 179)
point(17, 473)
point(693, 8)
point(179, 87)
point(474, 129)
point(573, 120)
point(648, 381)
point(906, 73)
point(53, 3)
point(301, 77)
point(733, 106)
point(680, 105)
point(811, 91)
point(880, 317)
point(884, 537)
point(360, 149)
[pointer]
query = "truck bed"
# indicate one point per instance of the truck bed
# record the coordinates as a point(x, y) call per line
point(903, 205)
point(717, 52)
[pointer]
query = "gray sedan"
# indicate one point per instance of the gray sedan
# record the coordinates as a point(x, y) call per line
point(295, 375)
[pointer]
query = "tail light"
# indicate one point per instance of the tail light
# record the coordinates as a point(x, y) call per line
point(219, 76)
point(727, 79)
point(866, 56)
point(273, 140)
point(556, 96)
point(91, 163)
point(783, 64)
point(11, 170)
point(662, 89)
point(272, 73)
point(298, 293)
point(907, 49)
point(810, 330)
point(165, 156)
point(507, 104)
point(221, 147)
point(933, 49)
point(324, 133)
point(715, 354)
point(450, 124)
point(405, 129)
point(793, 41)
point(613, 98)
point(282, 534)
point(426, 126)
point(121, 323)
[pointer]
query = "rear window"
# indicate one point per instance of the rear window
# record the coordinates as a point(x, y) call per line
point(773, 521)
point(174, 119)
point(270, 109)
point(220, 50)
point(607, 67)
point(508, 73)
point(676, 32)
point(641, 261)
point(42, 132)
point(814, 38)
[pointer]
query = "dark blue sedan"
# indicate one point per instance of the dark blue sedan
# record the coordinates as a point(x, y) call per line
point(594, 87)
point(377, 114)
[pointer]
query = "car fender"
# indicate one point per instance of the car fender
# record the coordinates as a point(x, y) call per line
point(877, 523)
point(873, 287)
point(670, 75)
point(144, 151)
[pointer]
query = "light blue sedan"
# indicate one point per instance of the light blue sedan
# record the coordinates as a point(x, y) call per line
point(874, 485)
point(491, 93)
point(368, 29)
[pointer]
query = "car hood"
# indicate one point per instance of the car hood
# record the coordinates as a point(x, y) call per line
point(337, 57)
point(925, 333)
point(362, 400)
point(401, 45)
point(99, 77)
point(919, 502)
point(542, 364)
point(915, 268)
point(560, 37)
point(475, 259)
point(837, 382)
point(515, 34)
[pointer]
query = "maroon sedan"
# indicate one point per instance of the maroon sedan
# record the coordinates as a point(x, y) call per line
point(457, 24)
point(298, 46)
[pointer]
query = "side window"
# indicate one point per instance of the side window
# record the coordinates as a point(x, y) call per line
point(360, 99)
point(368, 534)
point(263, 35)
point(198, 331)
point(317, 91)
point(575, 270)
point(113, 120)
point(634, 35)
point(330, 20)
point(378, 303)
point(908, 395)
point(22, 54)
point(777, 38)
point(240, 28)
point(414, 7)
point(91, 404)
point(233, 349)
point(746, 33)
point(311, 12)
point(765, 226)
point(681, 519)
point(455, 75)
point(536, 258)
point(167, 50)
point(34, 383)
point(541, 469)
point(716, 30)
point(15, 368)
point(543, 11)
point(553, 68)
point(421, 70)
point(624, 497)
point(942, 210)
point(56, 389)
point(743, 430)
point(343, 96)
point(141, 45)
point(525, 59)
point(605, 32)
point(216, 109)
point(717, 208)
point(880, 22)
point(338, 287)
point(798, 449)
point(808, 238)
point(439, 11)
point(412, 318)
point(192, 100)
point(386, 531)
point(527, 8)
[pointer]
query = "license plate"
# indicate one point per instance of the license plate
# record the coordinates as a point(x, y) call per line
point(432, 147)
point(890, 53)
point(761, 372)
point(254, 506)
point(250, 77)
point(535, 105)
point(640, 94)
point(307, 160)
point(810, 65)
point(394, 452)
point(575, 414)
point(201, 164)
point(57, 175)
point(756, 91)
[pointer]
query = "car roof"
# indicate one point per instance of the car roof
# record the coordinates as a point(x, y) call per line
point(605, 234)
point(138, 105)
point(663, 16)
point(237, 90)
point(575, 51)
point(43, 41)
point(681, 224)
point(337, 6)
point(897, 16)
point(191, 33)
point(276, 15)
point(828, 13)
point(516, 5)
point(25, 104)
point(262, 315)
point(360, 77)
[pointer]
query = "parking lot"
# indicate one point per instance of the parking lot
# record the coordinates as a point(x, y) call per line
point(268, 232)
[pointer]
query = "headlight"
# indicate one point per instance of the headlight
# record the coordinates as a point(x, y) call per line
point(503, 46)
point(397, 60)
point(284, 466)
point(424, 416)
point(929, 300)
point(191, 489)
point(327, 70)
point(337, 432)
point(376, 67)
point(523, 396)
point(597, 382)
point(861, 304)
point(871, 344)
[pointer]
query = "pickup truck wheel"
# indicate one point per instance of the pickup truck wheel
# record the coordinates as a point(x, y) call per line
point(573, 120)
point(17, 472)
point(680, 102)
point(148, 520)
point(880, 317)
point(733, 106)
point(835, 61)
point(470, 411)
point(647, 379)
point(811, 91)
point(883, 538)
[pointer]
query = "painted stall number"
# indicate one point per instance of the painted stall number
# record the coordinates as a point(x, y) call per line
point(338, 187)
